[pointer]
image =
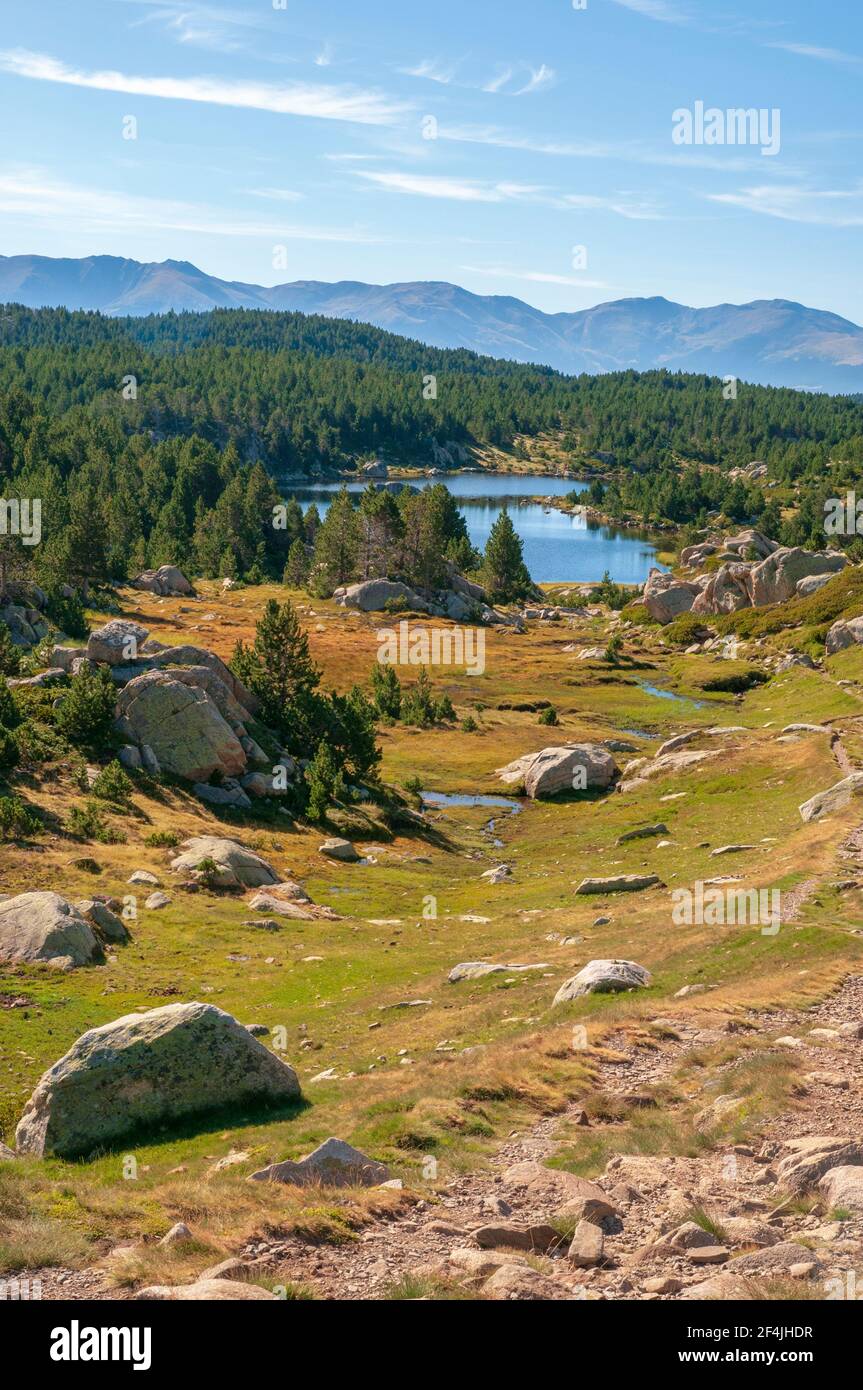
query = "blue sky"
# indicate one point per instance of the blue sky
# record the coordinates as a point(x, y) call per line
point(306, 127)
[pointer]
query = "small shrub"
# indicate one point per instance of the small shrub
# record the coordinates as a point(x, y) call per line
point(9, 752)
point(113, 784)
point(549, 716)
point(88, 823)
point(161, 839)
point(86, 713)
point(469, 725)
point(17, 821)
point(10, 657)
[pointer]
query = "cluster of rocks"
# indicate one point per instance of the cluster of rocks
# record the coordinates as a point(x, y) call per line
point(22, 609)
point(181, 710)
point(167, 581)
point(45, 927)
point(462, 602)
point(776, 574)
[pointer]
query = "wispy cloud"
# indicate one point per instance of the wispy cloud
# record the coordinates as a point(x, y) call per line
point(36, 195)
point(811, 50)
point(633, 151)
point(200, 25)
point(540, 77)
point(325, 57)
point(294, 99)
point(484, 191)
point(432, 71)
point(660, 10)
point(441, 186)
point(494, 84)
point(829, 207)
point(540, 277)
point(276, 195)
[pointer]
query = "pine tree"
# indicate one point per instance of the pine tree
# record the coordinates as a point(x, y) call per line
point(504, 571)
point(297, 566)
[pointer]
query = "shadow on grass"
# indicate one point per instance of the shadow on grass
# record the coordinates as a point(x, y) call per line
point(192, 1126)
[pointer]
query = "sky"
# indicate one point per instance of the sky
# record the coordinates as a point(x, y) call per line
point(551, 151)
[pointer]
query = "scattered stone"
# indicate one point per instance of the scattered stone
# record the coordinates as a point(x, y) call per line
point(332, 1164)
point(621, 883)
point(342, 850)
point(587, 1247)
point(603, 977)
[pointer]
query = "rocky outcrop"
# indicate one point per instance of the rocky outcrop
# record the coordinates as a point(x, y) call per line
point(167, 581)
point(604, 977)
point(373, 595)
point(835, 798)
point(145, 1070)
point(182, 725)
point(235, 866)
point(665, 597)
point(339, 849)
point(807, 1160)
point(619, 883)
point(45, 927)
point(332, 1164)
point(206, 1291)
point(479, 969)
point(641, 770)
point(726, 590)
point(776, 578)
point(569, 767)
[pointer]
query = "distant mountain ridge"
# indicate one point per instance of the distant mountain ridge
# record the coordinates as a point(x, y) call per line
point(774, 342)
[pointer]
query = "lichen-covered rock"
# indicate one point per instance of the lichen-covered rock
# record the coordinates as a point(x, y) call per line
point(145, 1070)
point(726, 591)
point(236, 866)
point(118, 642)
point(45, 927)
point(105, 922)
point(604, 977)
point(182, 726)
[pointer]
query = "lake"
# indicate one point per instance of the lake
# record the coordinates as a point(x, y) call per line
point(558, 548)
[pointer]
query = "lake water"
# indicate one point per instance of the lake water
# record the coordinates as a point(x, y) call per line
point(557, 548)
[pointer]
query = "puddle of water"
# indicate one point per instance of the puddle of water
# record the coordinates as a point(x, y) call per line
point(462, 799)
point(668, 695)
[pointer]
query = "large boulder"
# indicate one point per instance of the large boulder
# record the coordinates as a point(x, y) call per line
point(750, 543)
point(603, 977)
point(155, 656)
point(182, 725)
point(619, 883)
point(117, 643)
point(373, 595)
point(665, 597)
point(844, 633)
point(332, 1164)
point(167, 581)
point(726, 591)
point(45, 927)
point(566, 768)
point(835, 798)
point(236, 866)
point(146, 1070)
point(775, 579)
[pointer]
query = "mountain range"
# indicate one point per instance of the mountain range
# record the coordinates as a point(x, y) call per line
point(774, 342)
